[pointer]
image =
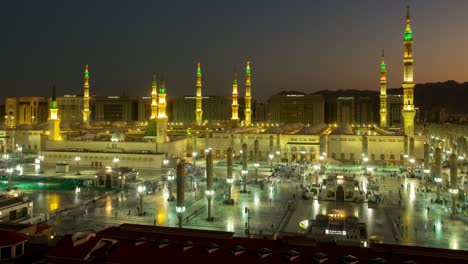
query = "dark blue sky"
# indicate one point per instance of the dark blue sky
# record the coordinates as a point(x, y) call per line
point(300, 45)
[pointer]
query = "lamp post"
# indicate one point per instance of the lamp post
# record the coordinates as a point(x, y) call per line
point(141, 190)
point(194, 156)
point(165, 163)
point(316, 168)
point(405, 158)
point(454, 196)
point(426, 175)
point(412, 165)
point(116, 162)
point(229, 179)
point(271, 156)
point(365, 159)
point(277, 157)
point(438, 181)
point(303, 155)
point(170, 178)
point(244, 179)
point(41, 159)
point(180, 206)
point(209, 183)
point(77, 160)
point(10, 184)
point(256, 165)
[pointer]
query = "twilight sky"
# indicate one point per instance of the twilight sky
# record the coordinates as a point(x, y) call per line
point(299, 45)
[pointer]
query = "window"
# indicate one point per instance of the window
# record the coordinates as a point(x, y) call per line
point(6, 253)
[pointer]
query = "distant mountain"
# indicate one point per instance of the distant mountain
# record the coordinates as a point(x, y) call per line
point(450, 95)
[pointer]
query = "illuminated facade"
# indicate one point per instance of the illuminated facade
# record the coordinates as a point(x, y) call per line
point(86, 111)
point(199, 111)
point(154, 98)
point(161, 121)
point(294, 107)
point(248, 97)
point(408, 112)
point(345, 110)
point(25, 110)
point(70, 108)
point(235, 104)
point(54, 120)
point(383, 92)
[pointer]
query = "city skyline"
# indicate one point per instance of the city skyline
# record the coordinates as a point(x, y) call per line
point(280, 41)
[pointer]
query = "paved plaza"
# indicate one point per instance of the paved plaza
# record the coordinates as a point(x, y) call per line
point(270, 210)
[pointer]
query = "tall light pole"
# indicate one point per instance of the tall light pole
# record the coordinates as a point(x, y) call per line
point(229, 178)
point(256, 165)
point(277, 157)
point(77, 160)
point(244, 171)
point(453, 181)
point(194, 156)
point(170, 178)
point(271, 156)
point(165, 163)
point(180, 207)
point(438, 181)
point(116, 162)
point(209, 183)
point(141, 191)
point(9, 171)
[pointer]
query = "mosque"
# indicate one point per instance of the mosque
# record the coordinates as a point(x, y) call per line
point(158, 143)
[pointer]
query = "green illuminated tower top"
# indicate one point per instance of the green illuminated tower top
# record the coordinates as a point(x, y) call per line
point(53, 104)
point(383, 67)
point(162, 87)
point(408, 31)
point(198, 69)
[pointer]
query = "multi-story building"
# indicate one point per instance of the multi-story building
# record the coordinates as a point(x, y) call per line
point(144, 109)
point(25, 110)
point(365, 109)
point(345, 110)
point(70, 108)
point(296, 107)
point(116, 108)
point(394, 104)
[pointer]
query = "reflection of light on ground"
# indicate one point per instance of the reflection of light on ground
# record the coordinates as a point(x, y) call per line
point(161, 216)
point(53, 201)
point(412, 193)
point(256, 200)
point(364, 186)
point(454, 243)
point(108, 205)
point(230, 225)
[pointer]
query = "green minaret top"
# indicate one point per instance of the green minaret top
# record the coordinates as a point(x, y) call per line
point(154, 79)
point(53, 104)
point(247, 69)
point(198, 69)
point(234, 80)
point(162, 87)
point(86, 73)
point(383, 67)
point(408, 31)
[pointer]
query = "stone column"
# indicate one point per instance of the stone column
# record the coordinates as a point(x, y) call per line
point(256, 164)
point(426, 156)
point(453, 181)
point(245, 171)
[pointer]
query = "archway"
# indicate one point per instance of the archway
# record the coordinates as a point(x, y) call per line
point(339, 194)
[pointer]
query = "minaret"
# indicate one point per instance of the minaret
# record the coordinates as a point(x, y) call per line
point(235, 105)
point(383, 92)
point(199, 111)
point(54, 121)
point(86, 111)
point(408, 111)
point(248, 98)
point(161, 121)
point(154, 98)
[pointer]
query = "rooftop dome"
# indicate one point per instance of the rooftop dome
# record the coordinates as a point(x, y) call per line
point(274, 130)
point(312, 130)
point(343, 129)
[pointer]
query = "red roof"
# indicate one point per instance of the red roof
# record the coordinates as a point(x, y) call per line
point(9, 238)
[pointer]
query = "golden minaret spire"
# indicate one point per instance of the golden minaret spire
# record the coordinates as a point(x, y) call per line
point(86, 111)
point(54, 120)
point(161, 120)
point(408, 112)
point(199, 111)
point(154, 98)
point(383, 92)
point(248, 98)
point(235, 105)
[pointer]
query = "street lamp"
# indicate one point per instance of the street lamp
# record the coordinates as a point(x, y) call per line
point(77, 160)
point(244, 179)
point(170, 178)
point(10, 184)
point(271, 156)
point(256, 165)
point(454, 194)
point(194, 155)
point(277, 157)
point(365, 159)
point(116, 162)
point(426, 175)
point(438, 181)
point(412, 164)
point(141, 190)
point(165, 163)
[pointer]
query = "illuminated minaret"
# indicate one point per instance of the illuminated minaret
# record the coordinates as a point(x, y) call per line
point(199, 111)
point(54, 121)
point(383, 92)
point(408, 111)
point(86, 111)
point(235, 105)
point(161, 121)
point(248, 98)
point(154, 98)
